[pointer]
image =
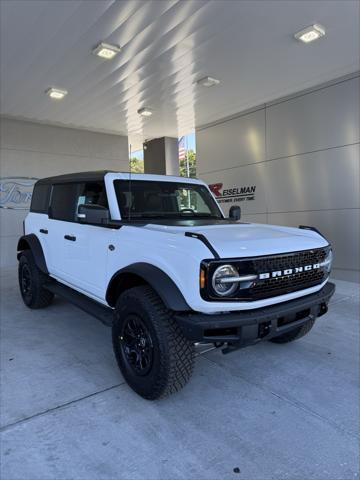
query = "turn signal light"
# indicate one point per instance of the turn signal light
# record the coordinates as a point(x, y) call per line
point(202, 278)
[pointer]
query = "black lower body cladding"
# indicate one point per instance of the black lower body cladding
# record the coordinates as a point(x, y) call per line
point(247, 327)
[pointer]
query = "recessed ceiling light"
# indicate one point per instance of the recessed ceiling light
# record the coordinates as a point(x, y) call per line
point(208, 81)
point(309, 34)
point(105, 50)
point(56, 93)
point(145, 112)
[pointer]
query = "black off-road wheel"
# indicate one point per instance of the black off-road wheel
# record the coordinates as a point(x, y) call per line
point(294, 334)
point(31, 283)
point(153, 355)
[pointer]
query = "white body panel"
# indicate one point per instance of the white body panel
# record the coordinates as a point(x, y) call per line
point(88, 265)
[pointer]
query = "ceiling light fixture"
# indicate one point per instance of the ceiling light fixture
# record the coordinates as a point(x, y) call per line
point(208, 82)
point(105, 50)
point(145, 112)
point(56, 93)
point(309, 34)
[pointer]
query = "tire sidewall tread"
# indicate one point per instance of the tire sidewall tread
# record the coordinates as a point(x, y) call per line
point(41, 297)
point(173, 353)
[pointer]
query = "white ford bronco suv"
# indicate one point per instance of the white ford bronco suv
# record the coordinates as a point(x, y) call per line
point(155, 258)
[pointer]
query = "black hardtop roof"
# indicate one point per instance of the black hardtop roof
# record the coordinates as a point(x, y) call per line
point(76, 177)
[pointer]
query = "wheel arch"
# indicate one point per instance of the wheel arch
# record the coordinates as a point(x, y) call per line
point(146, 274)
point(32, 243)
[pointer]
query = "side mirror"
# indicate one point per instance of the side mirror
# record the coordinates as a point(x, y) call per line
point(235, 212)
point(94, 214)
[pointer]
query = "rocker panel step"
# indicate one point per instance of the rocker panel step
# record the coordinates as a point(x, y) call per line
point(97, 310)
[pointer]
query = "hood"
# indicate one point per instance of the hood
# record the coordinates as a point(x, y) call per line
point(245, 240)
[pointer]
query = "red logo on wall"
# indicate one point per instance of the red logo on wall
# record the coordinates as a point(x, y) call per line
point(215, 188)
point(234, 194)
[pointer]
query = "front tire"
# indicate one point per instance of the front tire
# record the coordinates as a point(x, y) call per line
point(153, 355)
point(294, 334)
point(31, 283)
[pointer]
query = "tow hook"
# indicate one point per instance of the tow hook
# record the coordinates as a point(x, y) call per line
point(323, 309)
point(264, 329)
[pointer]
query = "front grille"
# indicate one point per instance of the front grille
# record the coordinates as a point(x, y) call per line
point(273, 286)
point(287, 283)
point(291, 283)
point(292, 260)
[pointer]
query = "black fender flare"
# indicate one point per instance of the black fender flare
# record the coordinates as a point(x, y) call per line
point(142, 273)
point(31, 242)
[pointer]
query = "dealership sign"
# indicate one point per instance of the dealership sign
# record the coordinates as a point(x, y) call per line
point(234, 194)
point(16, 192)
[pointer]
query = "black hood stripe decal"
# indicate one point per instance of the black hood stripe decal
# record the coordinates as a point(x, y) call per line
point(205, 241)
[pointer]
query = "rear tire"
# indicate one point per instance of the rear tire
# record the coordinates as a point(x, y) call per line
point(31, 282)
point(153, 355)
point(294, 334)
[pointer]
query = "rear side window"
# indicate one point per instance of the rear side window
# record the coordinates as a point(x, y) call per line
point(40, 198)
point(66, 198)
point(63, 201)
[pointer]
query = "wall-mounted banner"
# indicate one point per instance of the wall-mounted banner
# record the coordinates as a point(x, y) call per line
point(16, 192)
point(234, 194)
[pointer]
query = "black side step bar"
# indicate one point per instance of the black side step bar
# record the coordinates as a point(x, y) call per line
point(97, 310)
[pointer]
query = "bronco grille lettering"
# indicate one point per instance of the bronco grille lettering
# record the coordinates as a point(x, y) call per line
point(288, 271)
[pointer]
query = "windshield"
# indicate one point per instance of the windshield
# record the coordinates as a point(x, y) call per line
point(141, 199)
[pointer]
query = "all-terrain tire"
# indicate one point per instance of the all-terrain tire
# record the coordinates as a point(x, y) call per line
point(294, 334)
point(31, 282)
point(172, 355)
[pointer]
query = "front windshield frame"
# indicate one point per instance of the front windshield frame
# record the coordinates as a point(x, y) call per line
point(122, 188)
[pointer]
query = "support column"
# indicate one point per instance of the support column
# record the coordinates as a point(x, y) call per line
point(161, 156)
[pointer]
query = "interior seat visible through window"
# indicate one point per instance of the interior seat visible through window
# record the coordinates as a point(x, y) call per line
point(153, 203)
point(91, 193)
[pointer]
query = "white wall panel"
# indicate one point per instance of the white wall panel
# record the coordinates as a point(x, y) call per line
point(317, 181)
point(255, 218)
point(11, 222)
point(236, 142)
point(8, 251)
point(39, 164)
point(29, 136)
point(33, 150)
point(322, 119)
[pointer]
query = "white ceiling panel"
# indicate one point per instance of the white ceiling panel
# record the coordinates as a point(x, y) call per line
point(166, 46)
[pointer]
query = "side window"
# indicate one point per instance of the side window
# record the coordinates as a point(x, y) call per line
point(40, 198)
point(92, 193)
point(66, 198)
point(63, 201)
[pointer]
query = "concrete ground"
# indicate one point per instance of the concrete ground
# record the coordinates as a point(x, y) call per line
point(265, 412)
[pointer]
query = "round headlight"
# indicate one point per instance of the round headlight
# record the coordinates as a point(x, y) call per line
point(222, 280)
point(327, 263)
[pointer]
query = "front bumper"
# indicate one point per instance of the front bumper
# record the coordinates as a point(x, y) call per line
point(247, 327)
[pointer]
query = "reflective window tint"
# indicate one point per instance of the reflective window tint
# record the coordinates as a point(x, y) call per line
point(149, 199)
point(66, 198)
point(63, 201)
point(40, 198)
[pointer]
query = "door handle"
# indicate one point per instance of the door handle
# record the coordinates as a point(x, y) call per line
point(43, 230)
point(72, 238)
